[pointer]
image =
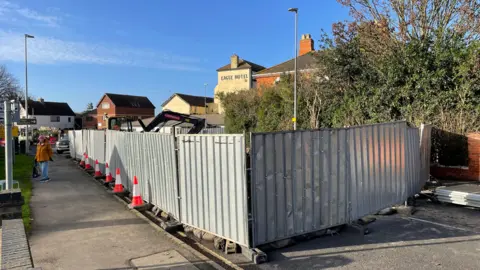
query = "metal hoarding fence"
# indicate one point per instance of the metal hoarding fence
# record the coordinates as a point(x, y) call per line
point(96, 147)
point(71, 143)
point(305, 181)
point(425, 151)
point(213, 130)
point(212, 183)
point(79, 149)
point(150, 157)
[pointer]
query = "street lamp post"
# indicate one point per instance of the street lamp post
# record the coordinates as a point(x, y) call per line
point(205, 85)
point(27, 142)
point(295, 72)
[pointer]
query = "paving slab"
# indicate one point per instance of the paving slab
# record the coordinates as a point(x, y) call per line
point(78, 225)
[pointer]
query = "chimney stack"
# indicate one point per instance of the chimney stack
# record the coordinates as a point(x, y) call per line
point(234, 61)
point(306, 44)
point(40, 100)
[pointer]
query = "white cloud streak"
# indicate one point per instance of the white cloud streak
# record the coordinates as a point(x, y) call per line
point(43, 50)
point(11, 12)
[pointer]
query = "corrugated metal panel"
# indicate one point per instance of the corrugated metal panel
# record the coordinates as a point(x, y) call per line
point(379, 174)
point(79, 149)
point(298, 183)
point(71, 143)
point(305, 181)
point(212, 181)
point(96, 147)
point(216, 130)
point(150, 157)
point(425, 151)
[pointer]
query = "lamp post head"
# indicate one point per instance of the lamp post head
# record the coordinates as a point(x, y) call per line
point(293, 10)
point(29, 36)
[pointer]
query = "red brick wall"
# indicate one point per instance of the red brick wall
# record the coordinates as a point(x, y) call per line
point(89, 124)
point(470, 173)
point(266, 81)
point(100, 111)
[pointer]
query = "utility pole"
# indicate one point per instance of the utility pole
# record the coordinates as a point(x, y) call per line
point(205, 85)
point(294, 119)
point(27, 142)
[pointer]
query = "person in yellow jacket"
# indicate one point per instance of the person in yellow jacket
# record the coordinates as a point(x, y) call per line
point(43, 156)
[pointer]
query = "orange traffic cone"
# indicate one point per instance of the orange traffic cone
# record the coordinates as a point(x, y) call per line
point(137, 200)
point(108, 174)
point(98, 173)
point(82, 162)
point(87, 163)
point(118, 183)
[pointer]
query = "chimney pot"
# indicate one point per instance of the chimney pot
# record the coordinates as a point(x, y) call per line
point(234, 61)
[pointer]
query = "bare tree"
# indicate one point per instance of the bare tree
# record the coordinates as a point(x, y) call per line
point(9, 88)
point(417, 19)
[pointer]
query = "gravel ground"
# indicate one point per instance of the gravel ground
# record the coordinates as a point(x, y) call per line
point(435, 237)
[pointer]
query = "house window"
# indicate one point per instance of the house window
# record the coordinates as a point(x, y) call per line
point(89, 118)
point(69, 119)
point(105, 105)
point(54, 118)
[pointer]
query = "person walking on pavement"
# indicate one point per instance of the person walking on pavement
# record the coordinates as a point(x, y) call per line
point(43, 156)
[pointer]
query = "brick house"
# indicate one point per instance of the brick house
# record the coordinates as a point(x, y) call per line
point(88, 119)
point(135, 107)
point(305, 60)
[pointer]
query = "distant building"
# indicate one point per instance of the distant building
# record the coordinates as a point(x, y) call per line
point(119, 105)
point(235, 76)
point(188, 104)
point(57, 115)
point(306, 59)
point(88, 119)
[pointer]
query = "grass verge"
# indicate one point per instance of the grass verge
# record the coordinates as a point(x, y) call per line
point(22, 172)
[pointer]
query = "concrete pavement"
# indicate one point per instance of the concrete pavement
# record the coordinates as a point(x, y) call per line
point(78, 225)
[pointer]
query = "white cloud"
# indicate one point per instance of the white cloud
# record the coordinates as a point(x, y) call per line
point(13, 12)
point(43, 50)
point(31, 14)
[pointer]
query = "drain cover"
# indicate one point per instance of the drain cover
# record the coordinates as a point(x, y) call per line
point(165, 260)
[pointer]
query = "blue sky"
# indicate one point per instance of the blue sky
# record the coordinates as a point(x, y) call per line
point(83, 49)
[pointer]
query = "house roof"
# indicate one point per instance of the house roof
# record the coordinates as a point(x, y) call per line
point(303, 62)
point(129, 101)
point(48, 108)
point(243, 64)
point(197, 101)
point(93, 111)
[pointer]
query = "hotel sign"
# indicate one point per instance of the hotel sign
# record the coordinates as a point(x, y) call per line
point(234, 77)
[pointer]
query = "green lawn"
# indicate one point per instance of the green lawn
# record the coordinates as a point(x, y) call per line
point(22, 172)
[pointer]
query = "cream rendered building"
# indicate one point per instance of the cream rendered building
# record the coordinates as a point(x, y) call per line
point(235, 76)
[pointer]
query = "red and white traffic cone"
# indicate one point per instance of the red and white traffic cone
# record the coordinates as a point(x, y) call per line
point(87, 163)
point(108, 177)
point(82, 162)
point(137, 200)
point(98, 173)
point(118, 188)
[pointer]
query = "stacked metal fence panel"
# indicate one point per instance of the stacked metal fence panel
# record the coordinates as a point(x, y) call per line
point(212, 182)
point(150, 157)
point(305, 181)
